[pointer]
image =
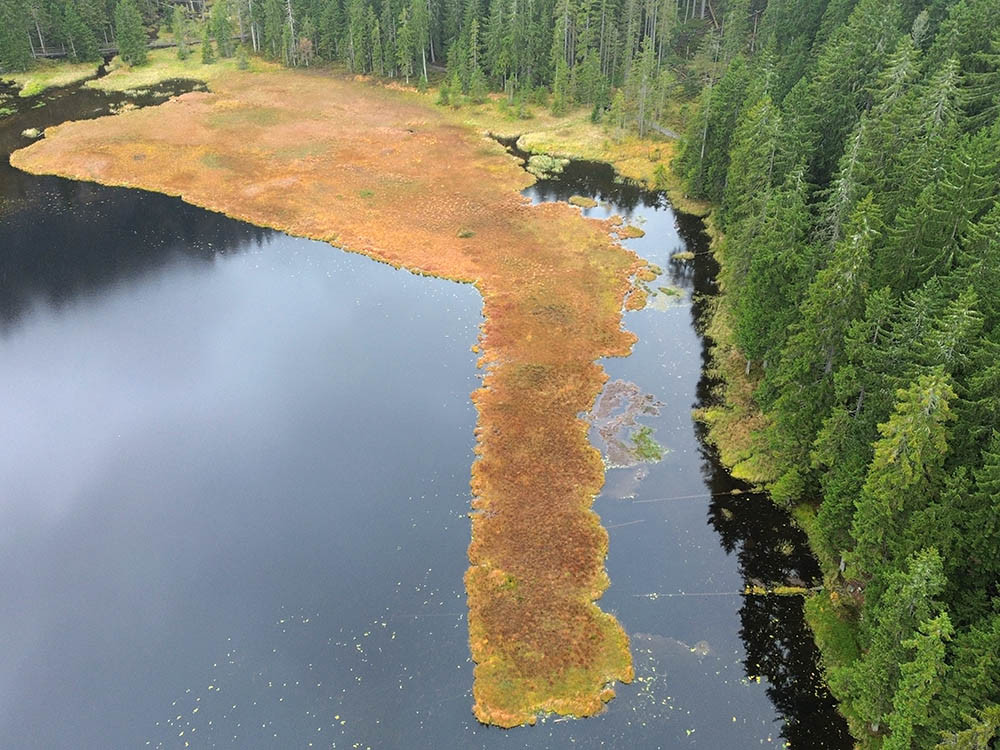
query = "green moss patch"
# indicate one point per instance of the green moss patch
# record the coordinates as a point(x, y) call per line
point(835, 635)
point(644, 447)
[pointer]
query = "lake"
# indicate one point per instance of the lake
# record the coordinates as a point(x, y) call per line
point(236, 484)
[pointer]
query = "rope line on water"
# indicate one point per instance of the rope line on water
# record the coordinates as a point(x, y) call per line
point(627, 523)
point(689, 593)
point(692, 497)
point(432, 614)
point(791, 591)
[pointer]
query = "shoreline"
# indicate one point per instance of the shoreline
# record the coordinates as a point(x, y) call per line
point(732, 426)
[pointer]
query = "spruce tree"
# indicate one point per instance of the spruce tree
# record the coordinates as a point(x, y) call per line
point(640, 86)
point(378, 55)
point(15, 49)
point(752, 167)
point(444, 94)
point(420, 27)
point(983, 728)
point(81, 40)
point(736, 29)
point(778, 260)
point(981, 93)
point(274, 29)
point(180, 25)
point(222, 27)
point(130, 33)
point(560, 89)
point(207, 54)
point(704, 158)
point(845, 71)
point(910, 598)
point(982, 522)
point(864, 396)
point(804, 375)
point(478, 87)
point(405, 43)
point(358, 43)
point(905, 471)
point(920, 681)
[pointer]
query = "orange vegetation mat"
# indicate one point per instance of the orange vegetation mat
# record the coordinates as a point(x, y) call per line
point(381, 173)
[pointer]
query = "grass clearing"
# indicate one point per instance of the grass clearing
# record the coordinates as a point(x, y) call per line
point(47, 74)
point(163, 65)
point(571, 136)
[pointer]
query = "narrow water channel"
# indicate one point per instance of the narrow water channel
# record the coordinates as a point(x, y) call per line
point(234, 491)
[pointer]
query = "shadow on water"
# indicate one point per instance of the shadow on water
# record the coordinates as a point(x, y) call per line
point(49, 241)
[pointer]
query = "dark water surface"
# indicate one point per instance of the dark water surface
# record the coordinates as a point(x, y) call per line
point(234, 487)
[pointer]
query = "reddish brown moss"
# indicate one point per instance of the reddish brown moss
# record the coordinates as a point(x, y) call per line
point(387, 176)
point(636, 299)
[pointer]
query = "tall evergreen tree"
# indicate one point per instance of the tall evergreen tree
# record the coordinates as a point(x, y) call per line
point(79, 38)
point(910, 598)
point(704, 157)
point(180, 26)
point(752, 168)
point(15, 49)
point(905, 472)
point(804, 375)
point(778, 261)
point(920, 680)
point(222, 27)
point(130, 33)
point(207, 53)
